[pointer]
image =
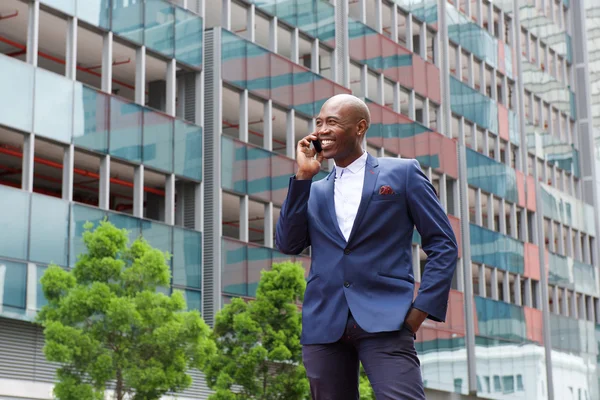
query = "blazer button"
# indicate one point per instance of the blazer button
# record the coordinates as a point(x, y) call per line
point(346, 251)
point(347, 284)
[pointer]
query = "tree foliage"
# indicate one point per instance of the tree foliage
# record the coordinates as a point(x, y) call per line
point(106, 321)
point(258, 352)
point(364, 386)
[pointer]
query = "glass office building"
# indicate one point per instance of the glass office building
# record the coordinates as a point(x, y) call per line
point(179, 121)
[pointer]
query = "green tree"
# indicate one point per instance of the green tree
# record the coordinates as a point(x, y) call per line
point(364, 386)
point(106, 322)
point(258, 342)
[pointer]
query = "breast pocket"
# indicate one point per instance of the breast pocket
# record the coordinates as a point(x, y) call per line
point(386, 197)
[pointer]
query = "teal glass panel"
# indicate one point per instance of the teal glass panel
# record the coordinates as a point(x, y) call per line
point(303, 91)
point(306, 16)
point(473, 105)
point(193, 300)
point(13, 278)
point(286, 11)
point(187, 258)
point(326, 22)
point(17, 79)
point(282, 168)
point(159, 27)
point(49, 232)
point(491, 176)
point(234, 268)
point(497, 319)
point(80, 215)
point(559, 270)
point(472, 37)
point(14, 215)
point(585, 278)
point(569, 45)
point(233, 165)
point(188, 150)
point(91, 114)
point(40, 299)
point(567, 209)
point(128, 20)
point(259, 173)
point(66, 6)
point(125, 130)
point(498, 250)
point(95, 12)
point(53, 107)
point(131, 224)
point(257, 66)
point(158, 235)
point(565, 333)
point(259, 259)
point(188, 37)
point(269, 6)
point(158, 140)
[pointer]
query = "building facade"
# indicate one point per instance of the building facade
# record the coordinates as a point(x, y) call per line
point(179, 121)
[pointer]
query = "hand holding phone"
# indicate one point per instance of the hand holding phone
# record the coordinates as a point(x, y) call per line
point(317, 144)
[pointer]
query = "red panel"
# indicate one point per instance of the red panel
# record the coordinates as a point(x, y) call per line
point(373, 46)
point(389, 52)
point(234, 70)
point(323, 91)
point(279, 92)
point(503, 122)
point(532, 261)
point(455, 222)
point(501, 57)
point(419, 75)
point(533, 322)
point(357, 48)
point(433, 83)
point(405, 74)
point(520, 188)
point(531, 193)
point(303, 92)
point(376, 118)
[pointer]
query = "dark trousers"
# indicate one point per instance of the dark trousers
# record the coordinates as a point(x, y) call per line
point(389, 359)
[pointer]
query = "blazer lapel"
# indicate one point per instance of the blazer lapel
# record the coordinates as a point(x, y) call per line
point(330, 198)
point(371, 173)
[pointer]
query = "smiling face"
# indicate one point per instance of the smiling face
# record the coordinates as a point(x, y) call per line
point(341, 126)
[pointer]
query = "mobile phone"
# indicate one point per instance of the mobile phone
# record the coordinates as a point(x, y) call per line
point(317, 144)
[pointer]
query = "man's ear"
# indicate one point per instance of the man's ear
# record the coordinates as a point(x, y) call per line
point(362, 127)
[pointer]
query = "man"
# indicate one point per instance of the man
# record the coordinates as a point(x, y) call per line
point(358, 304)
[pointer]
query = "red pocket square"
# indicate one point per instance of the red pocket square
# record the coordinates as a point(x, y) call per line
point(386, 190)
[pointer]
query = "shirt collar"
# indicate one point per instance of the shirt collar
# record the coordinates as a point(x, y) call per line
point(354, 168)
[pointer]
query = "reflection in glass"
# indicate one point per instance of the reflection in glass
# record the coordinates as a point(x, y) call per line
point(14, 215)
point(95, 12)
point(158, 140)
point(49, 230)
point(90, 128)
point(157, 235)
point(131, 224)
point(187, 258)
point(125, 130)
point(159, 22)
point(128, 20)
point(233, 272)
point(188, 37)
point(80, 215)
point(66, 6)
point(188, 150)
point(13, 286)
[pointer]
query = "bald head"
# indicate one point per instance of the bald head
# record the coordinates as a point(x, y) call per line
point(352, 105)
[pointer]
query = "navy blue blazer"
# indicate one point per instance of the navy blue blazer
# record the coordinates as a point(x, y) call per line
point(371, 274)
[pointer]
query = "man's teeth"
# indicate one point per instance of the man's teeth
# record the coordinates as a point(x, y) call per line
point(326, 142)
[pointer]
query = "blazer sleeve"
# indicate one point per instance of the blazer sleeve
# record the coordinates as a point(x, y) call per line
point(437, 240)
point(291, 235)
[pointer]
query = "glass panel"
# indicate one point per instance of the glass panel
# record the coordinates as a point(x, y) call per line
point(128, 19)
point(233, 165)
point(188, 37)
point(187, 258)
point(157, 235)
point(495, 249)
point(17, 79)
point(158, 140)
point(49, 230)
point(259, 258)
point(80, 215)
point(282, 168)
point(95, 12)
point(53, 114)
point(233, 275)
point(188, 150)
point(233, 57)
point(13, 285)
point(14, 215)
point(122, 221)
point(303, 91)
point(90, 128)
point(193, 300)
point(281, 81)
point(66, 6)
point(159, 26)
point(125, 130)
point(259, 173)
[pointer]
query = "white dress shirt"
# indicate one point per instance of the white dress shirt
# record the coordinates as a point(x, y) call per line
point(348, 185)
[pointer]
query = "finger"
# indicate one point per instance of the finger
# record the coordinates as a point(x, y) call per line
point(311, 137)
point(304, 144)
point(320, 157)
